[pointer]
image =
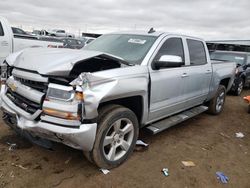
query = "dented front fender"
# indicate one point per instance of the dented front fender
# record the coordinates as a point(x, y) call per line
point(113, 84)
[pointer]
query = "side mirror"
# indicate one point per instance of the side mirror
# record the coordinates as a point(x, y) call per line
point(168, 61)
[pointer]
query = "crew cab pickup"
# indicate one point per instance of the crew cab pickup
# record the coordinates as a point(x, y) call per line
point(10, 42)
point(97, 99)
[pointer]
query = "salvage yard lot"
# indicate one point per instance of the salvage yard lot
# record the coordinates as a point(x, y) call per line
point(208, 141)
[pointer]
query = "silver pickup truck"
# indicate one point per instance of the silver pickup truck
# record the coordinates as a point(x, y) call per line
point(97, 99)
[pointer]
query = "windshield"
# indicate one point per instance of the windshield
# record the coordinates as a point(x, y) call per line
point(237, 58)
point(131, 48)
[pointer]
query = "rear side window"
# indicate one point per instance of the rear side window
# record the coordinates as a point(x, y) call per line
point(172, 46)
point(1, 30)
point(197, 52)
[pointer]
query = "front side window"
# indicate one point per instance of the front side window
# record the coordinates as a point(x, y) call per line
point(60, 31)
point(197, 52)
point(172, 46)
point(1, 30)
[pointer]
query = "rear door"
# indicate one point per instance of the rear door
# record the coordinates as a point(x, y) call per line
point(5, 42)
point(167, 84)
point(199, 73)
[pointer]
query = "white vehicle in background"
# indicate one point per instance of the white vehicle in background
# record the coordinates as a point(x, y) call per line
point(60, 33)
point(10, 42)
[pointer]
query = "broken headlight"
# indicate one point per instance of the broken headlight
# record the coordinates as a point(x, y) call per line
point(59, 92)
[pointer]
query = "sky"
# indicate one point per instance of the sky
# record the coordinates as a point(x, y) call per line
point(211, 20)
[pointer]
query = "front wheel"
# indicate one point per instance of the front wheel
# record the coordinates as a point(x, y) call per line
point(116, 137)
point(216, 104)
point(239, 87)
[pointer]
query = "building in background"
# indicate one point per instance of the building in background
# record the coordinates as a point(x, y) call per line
point(229, 45)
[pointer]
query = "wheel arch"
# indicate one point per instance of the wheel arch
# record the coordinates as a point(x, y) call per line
point(134, 103)
point(225, 82)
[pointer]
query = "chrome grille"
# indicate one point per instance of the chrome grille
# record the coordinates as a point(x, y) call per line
point(23, 103)
point(40, 86)
point(27, 90)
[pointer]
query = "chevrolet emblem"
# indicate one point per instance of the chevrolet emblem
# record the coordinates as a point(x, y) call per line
point(12, 86)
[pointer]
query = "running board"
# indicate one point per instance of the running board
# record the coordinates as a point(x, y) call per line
point(175, 119)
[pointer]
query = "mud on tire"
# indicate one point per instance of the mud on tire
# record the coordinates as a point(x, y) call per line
point(216, 104)
point(116, 136)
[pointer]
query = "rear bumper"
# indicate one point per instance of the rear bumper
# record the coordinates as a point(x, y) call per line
point(82, 137)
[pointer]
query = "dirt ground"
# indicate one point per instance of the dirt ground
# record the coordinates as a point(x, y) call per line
point(208, 141)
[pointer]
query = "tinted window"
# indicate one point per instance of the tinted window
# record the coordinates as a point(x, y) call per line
point(172, 46)
point(197, 52)
point(18, 31)
point(1, 30)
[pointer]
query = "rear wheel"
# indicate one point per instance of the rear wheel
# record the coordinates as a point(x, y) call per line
point(116, 136)
point(216, 104)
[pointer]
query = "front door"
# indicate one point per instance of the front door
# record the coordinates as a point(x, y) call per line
point(167, 84)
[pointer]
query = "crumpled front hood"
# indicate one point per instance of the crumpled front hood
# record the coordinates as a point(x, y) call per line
point(48, 61)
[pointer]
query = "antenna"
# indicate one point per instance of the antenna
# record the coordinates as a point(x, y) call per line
point(151, 30)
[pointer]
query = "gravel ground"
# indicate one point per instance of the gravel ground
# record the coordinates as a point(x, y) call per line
point(208, 141)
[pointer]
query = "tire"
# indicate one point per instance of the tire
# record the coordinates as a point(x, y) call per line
point(103, 111)
point(239, 87)
point(217, 103)
point(118, 127)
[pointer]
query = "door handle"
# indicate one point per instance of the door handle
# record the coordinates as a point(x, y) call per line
point(208, 71)
point(184, 75)
point(4, 43)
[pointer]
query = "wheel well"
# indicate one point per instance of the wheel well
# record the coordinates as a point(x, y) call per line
point(225, 82)
point(134, 103)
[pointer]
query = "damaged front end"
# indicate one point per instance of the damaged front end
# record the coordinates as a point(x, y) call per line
point(61, 105)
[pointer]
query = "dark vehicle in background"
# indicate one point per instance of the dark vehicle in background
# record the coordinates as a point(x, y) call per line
point(242, 73)
point(73, 43)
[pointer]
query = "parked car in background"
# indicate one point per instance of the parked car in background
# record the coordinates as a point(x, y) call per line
point(73, 43)
point(10, 42)
point(242, 73)
point(60, 33)
point(97, 99)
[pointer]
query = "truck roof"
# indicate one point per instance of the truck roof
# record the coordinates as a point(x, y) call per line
point(156, 33)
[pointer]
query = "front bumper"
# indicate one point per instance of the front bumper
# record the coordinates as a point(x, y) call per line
point(82, 137)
